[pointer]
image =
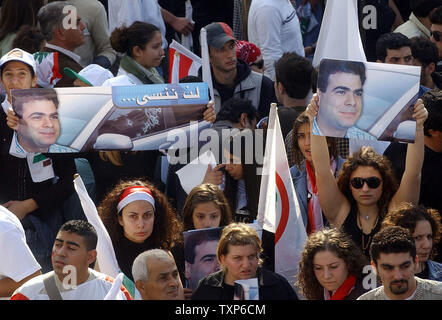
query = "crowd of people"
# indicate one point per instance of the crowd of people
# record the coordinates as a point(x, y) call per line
point(366, 206)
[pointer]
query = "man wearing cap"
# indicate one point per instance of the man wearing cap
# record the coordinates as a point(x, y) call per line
point(232, 76)
point(36, 201)
point(51, 18)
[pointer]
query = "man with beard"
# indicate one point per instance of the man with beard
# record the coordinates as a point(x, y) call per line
point(393, 256)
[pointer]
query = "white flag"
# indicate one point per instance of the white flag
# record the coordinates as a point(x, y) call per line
point(106, 258)
point(339, 36)
point(207, 75)
point(278, 209)
point(114, 292)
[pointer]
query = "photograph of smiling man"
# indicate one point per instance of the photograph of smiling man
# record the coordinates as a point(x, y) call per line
point(340, 89)
point(38, 126)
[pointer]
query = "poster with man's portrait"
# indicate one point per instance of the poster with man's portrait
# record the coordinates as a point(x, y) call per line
point(366, 100)
point(125, 118)
point(200, 254)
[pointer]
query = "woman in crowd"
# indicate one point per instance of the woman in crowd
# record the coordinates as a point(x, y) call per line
point(331, 267)
point(138, 217)
point(425, 227)
point(206, 207)
point(242, 179)
point(141, 44)
point(238, 252)
point(365, 189)
point(303, 173)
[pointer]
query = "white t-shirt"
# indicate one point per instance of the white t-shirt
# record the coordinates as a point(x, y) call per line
point(274, 27)
point(16, 259)
point(95, 288)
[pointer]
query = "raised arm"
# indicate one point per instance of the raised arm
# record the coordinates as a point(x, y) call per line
point(409, 188)
point(334, 204)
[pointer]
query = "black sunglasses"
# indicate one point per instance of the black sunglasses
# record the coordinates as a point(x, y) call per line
point(259, 64)
point(372, 182)
point(436, 35)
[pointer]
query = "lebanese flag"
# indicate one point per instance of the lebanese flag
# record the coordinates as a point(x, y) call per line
point(182, 62)
point(278, 209)
point(48, 70)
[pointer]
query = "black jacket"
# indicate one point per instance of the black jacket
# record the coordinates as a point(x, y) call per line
point(272, 286)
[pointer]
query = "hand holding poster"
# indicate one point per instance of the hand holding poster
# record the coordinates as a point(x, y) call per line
point(104, 118)
point(367, 101)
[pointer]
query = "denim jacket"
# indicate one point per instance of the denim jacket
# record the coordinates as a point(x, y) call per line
point(299, 178)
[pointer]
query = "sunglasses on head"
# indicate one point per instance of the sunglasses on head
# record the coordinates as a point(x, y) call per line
point(372, 182)
point(436, 35)
point(259, 64)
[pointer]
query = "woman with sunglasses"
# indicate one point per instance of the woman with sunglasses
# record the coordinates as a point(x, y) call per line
point(365, 189)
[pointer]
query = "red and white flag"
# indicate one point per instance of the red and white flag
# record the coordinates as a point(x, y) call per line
point(278, 209)
point(182, 62)
point(48, 71)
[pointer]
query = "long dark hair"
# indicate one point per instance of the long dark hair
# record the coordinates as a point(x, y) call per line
point(250, 166)
point(367, 157)
point(167, 230)
point(16, 13)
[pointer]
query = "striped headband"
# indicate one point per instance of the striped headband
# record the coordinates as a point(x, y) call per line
point(135, 193)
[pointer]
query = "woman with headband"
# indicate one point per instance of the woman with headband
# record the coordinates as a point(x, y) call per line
point(138, 217)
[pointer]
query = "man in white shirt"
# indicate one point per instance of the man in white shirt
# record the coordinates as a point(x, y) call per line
point(17, 263)
point(73, 251)
point(274, 27)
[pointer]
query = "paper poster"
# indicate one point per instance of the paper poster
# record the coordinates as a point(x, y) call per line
point(366, 100)
point(200, 254)
point(125, 118)
point(246, 289)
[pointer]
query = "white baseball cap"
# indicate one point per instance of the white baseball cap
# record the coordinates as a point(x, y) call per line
point(17, 54)
point(92, 74)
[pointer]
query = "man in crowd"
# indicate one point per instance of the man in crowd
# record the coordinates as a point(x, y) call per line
point(425, 55)
point(436, 33)
point(34, 198)
point(200, 255)
point(431, 182)
point(17, 265)
point(73, 252)
point(232, 77)
point(419, 23)
point(156, 276)
point(394, 48)
point(340, 99)
point(393, 256)
point(51, 18)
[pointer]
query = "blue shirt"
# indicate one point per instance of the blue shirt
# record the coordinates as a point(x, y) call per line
point(352, 132)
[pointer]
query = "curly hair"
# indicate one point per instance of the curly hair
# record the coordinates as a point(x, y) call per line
point(167, 230)
point(367, 157)
point(297, 155)
point(408, 215)
point(333, 240)
point(203, 193)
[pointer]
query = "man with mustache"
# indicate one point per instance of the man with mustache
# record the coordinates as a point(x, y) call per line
point(340, 99)
point(393, 256)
